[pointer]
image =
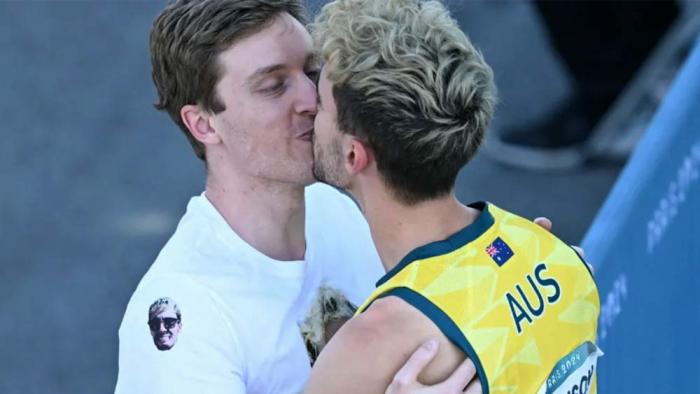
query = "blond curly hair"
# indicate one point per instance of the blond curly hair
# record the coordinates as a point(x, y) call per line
point(409, 81)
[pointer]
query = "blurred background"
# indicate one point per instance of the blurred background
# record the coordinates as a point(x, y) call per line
point(96, 179)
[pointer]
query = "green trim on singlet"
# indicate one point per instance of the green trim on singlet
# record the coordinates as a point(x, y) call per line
point(444, 323)
point(452, 243)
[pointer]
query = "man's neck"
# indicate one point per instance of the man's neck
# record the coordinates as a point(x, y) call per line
point(397, 228)
point(269, 216)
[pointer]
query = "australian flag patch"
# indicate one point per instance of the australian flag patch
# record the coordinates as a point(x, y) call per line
point(499, 251)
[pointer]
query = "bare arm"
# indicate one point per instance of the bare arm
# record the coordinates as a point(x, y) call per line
point(373, 351)
point(357, 359)
point(462, 380)
point(331, 310)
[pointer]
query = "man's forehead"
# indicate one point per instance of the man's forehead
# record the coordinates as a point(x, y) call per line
point(161, 308)
point(285, 41)
point(168, 311)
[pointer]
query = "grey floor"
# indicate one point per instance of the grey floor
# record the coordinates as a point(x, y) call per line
point(95, 179)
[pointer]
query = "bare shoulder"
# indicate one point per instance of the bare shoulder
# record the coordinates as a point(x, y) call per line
point(364, 354)
point(369, 349)
point(420, 327)
point(390, 328)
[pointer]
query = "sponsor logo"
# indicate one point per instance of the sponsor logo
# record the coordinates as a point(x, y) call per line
point(574, 373)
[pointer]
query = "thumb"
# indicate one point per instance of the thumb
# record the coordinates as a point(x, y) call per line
point(461, 376)
point(408, 374)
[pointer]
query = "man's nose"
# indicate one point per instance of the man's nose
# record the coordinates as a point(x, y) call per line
point(306, 101)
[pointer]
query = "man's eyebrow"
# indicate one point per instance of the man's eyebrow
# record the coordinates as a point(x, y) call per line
point(261, 72)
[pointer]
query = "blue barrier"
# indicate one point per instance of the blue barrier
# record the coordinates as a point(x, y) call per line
point(645, 244)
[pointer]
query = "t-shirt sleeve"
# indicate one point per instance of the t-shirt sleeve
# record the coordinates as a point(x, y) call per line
point(174, 338)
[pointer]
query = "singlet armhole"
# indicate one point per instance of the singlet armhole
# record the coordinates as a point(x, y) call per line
point(583, 262)
point(443, 322)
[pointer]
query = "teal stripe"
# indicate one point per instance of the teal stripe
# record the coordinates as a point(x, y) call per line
point(444, 323)
point(452, 243)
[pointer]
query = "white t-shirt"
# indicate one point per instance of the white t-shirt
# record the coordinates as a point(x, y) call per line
point(237, 329)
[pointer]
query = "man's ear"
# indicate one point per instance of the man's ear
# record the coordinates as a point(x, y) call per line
point(357, 156)
point(198, 122)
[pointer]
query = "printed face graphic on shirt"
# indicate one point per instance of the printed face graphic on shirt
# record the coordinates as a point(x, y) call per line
point(164, 322)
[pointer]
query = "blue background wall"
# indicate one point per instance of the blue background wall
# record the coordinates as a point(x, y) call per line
point(645, 244)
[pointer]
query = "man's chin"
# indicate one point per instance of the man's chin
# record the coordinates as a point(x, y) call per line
point(324, 181)
point(164, 345)
point(320, 176)
point(342, 189)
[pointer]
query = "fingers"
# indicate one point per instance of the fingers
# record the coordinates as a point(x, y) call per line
point(547, 225)
point(474, 387)
point(580, 252)
point(544, 223)
point(408, 374)
point(461, 376)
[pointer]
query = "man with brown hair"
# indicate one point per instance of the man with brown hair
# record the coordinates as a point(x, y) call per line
point(249, 254)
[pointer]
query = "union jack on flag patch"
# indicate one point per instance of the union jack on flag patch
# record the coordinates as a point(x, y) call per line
point(499, 251)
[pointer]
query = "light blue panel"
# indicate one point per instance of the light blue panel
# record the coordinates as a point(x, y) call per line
point(645, 244)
